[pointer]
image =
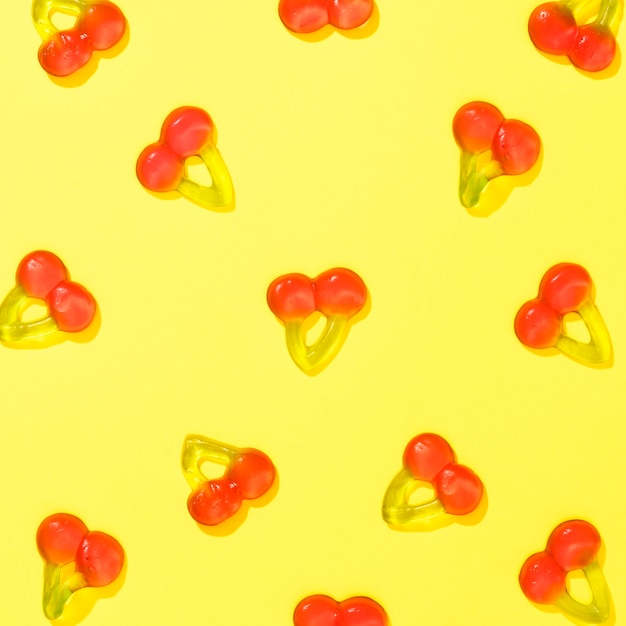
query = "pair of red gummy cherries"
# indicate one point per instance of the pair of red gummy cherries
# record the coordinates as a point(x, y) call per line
point(41, 275)
point(566, 288)
point(338, 294)
point(590, 46)
point(97, 558)
point(565, 292)
point(100, 25)
point(63, 541)
point(477, 126)
point(249, 474)
point(553, 26)
point(572, 546)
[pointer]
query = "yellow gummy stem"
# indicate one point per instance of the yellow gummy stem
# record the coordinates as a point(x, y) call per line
point(43, 9)
point(198, 449)
point(599, 349)
point(597, 611)
point(323, 350)
point(220, 193)
point(12, 329)
point(397, 511)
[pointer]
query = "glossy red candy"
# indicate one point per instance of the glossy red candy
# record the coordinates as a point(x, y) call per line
point(542, 579)
point(253, 472)
point(349, 14)
point(426, 455)
point(42, 275)
point(512, 145)
point(339, 291)
point(99, 559)
point(59, 537)
point(40, 271)
point(429, 458)
point(161, 166)
point(553, 28)
point(317, 610)
point(159, 169)
point(103, 24)
point(515, 147)
point(572, 546)
point(71, 306)
point(248, 474)
point(475, 125)
point(322, 610)
point(63, 539)
point(589, 44)
point(338, 294)
point(595, 48)
point(215, 501)
point(307, 16)
point(291, 297)
point(186, 131)
point(303, 16)
point(539, 323)
point(458, 488)
point(99, 26)
point(64, 53)
point(565, 287)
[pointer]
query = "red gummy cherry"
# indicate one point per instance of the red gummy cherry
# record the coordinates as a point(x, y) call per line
point(552, 28)
point(537, 324)
point(542, 579)
point(349, 14)
point(291, 297)
point(340, 291)
point(594, 49)
point(303, 16)
point(187, 130)
point(361, 611)
point(40, 271)
point(59, 536)
point(475, 125)
point(159, 169)
point(103, 23)
point(574, 544)
point(71, 305)
point(253, 472)
point(99, 559)
point(565, 287)
point(64, 53)
point(318, 610)
point(515, 147)
point(426, 455)
point(214, 502)
point(458, 488)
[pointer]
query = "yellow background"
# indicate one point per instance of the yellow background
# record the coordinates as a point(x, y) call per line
point(341, 153)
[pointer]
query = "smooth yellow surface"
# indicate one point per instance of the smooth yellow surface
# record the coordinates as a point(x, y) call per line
point(341, 153)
